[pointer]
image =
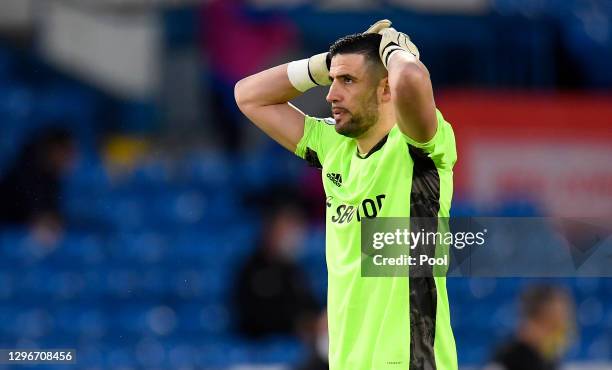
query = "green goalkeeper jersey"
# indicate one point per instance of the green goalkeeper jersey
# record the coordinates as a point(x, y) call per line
point(382, 323)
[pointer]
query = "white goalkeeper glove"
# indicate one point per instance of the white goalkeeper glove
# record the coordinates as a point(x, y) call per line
point(379, 26)
point(393, 41)
point(307, 73)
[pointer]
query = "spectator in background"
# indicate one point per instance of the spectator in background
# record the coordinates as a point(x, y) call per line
point(545, 327)
point(272, 293)
point(30, 189)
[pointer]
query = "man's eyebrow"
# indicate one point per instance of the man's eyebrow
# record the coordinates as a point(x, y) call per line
point(343, 75)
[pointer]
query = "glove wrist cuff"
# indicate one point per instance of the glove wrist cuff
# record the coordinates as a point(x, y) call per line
point(386, 53)
point(305, 74)
point(318, 65)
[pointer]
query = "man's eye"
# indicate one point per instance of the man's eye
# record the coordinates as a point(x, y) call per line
point(348, 80)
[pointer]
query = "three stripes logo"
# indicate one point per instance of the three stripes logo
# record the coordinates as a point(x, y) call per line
point(336, 178)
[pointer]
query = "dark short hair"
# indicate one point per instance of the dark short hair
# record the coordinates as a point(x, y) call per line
point(359, 43)
point(535, 298)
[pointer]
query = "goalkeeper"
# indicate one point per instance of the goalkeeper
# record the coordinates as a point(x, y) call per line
point(385, 152)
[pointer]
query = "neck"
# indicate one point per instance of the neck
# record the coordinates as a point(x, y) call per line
point(370, 138)
point(532, 336)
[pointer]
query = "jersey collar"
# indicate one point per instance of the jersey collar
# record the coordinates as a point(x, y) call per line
point(374, 149)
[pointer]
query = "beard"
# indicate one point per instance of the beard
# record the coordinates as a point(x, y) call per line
point(356, 124)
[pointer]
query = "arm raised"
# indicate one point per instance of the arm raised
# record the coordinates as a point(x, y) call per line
point(410, 85)
point(412, 96)
point(264, 98)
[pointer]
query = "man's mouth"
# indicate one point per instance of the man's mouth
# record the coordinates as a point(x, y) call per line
point(338, 112)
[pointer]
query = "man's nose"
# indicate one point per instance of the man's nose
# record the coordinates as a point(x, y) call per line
point(332, 95)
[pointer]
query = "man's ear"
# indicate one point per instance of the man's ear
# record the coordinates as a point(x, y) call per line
point(386, 91)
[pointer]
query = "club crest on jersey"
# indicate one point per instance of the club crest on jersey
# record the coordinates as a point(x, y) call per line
point(336, 178)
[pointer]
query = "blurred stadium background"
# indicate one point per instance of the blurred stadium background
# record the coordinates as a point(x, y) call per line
point(164, 197)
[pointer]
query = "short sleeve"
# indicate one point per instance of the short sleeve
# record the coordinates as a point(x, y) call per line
point(441, 148)
point(319, 138)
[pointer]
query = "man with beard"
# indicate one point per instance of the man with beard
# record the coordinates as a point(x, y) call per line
point(387, 152)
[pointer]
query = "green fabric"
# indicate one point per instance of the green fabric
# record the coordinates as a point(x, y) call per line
point(369, 317)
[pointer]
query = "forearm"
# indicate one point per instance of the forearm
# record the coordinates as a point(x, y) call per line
point(280, 84)
point(264, 98)
point(268, 87)
point(407, 74)
point(412, 96)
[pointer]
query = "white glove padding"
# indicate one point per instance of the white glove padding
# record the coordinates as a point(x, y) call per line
point(393, 41)
point(305, 74)
point(318, 67)
point(379, 26)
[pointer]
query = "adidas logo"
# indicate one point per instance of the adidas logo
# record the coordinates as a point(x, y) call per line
point(336, 178)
